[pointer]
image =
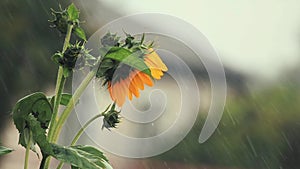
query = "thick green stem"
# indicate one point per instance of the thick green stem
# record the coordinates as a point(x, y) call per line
point(59, 87)
point(70, 106)
point(67, 38)
point(58, 91)
point(79, 133)
point(28, 151)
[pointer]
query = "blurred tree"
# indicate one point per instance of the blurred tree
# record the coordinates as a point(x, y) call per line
point(259, 130)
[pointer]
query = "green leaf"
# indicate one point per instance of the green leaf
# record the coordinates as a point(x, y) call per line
point(65, 99)
point(81, 157)
point(73, 12)
point(127, 57)
point(32, 107)
point(39, 134)
point(80, 33)
point(5, 150)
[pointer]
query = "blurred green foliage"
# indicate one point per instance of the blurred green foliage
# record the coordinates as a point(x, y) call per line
point(259, 130)
point(26, 46)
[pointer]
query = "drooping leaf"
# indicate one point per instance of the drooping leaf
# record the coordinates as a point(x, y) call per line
point(127, 57)
point(80, 33)
point(73, 12)
point(4, 150)
point(81, 157)
point(39, 134)
point(32, 107)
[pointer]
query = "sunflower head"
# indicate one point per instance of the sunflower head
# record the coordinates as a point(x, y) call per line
point(75, 56)
point(60, 20)
point(111, 117)
point(64, 17)
point(127, 67)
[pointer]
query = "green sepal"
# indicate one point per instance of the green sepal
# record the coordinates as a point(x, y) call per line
point(125, 56)
point(5, 150)
point(65, 99)
point(57, 57)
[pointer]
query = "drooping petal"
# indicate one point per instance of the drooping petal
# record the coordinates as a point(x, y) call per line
point(132, 87)
point(109, 87)
point(114, 91)
point(122, 93)
point(129, 95)
point(137, 81)
point(145, 78)
point(127, 86)
point(150, 63)
point(153, 56)
point(156, 73)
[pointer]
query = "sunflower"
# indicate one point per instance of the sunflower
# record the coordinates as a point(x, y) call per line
point(136, 79)
point(125, 79)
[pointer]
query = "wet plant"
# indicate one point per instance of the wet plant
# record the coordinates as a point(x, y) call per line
point(124, 66)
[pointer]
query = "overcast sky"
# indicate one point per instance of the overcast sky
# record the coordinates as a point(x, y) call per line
point(257, 36)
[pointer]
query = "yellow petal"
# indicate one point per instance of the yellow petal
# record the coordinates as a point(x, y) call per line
point(133, 89)
point(153, 56)
point(122, 94)
point(115, 88)
point(145, 78)
point(110, 91)
point(156, 74)
point(129, 95)
point(138, 82)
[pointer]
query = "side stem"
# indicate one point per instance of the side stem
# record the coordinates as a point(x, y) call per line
point(70, 106)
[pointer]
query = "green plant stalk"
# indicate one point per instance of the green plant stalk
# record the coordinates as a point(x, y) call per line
point(67, 38)
point(27, 151)
point(58, 91)
point(70, 106)
point(43, 162)
point(59, 87)
point(79, 133)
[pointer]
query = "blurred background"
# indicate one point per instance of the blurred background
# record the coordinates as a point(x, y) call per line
point(257, 41)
